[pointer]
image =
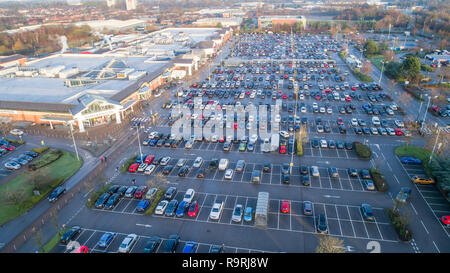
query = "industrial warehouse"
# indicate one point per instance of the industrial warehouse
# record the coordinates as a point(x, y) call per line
point(101, 84)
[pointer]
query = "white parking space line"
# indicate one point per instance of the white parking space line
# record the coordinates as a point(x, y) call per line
point(351, 222)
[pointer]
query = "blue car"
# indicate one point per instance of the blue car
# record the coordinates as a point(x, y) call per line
point(182, 208)
point(410, 160)
point(106, 239)
point(248, 214)
point(142, 206)
point(190, 247)
point(152, 142)
point(140, 158)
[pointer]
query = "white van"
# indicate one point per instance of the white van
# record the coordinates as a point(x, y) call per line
point(223, 164)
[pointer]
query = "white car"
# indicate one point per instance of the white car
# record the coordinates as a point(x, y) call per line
point(237, 213)
point(303, 109)
point(164, 161)
point(150, 168)
point(284, 134)
point(376, 121)
point(181, 162)
point(152, 135)
point(16, 132)
point(253, 138)
point(399, 123)
point(128, 243)
point(390, 131)
point(198, 162)
point(354, 122)
point(214, 138)
point(151, 193)
point(329, 110)
point(142, 167)
point(161, 207)
point(323, 143)
point(216, 210)
point(315, 171)
point(12, 165)
point(189, 195)
point(322, 109)
point(229, 174)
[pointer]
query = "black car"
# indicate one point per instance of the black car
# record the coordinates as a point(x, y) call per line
point(201, 173)
point(101, 201)
point(213, 163)
point(364, 174)
point(303, 170)
point(56, 193)
point(348, 145)
point(167, 169)
point(32, 154)
point(171, 207)
point(322, 224)
point(305, 180)
point(171, 243)
point(315, 143)
point(183, 171)
point(286, 179)
point(122, 190)
point(216, 249)
point(113, 189)
point(266, 168)
point(152, 245)
point(352, 172)
point(170, 193)
point(112, 201)
point(70, 234)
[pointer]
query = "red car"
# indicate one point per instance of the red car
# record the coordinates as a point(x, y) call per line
point(140, 191)
point(285, 206)
point(282, 149)
point(348, 98)
point(133, 167)
point(8, 147)
point(317, 97)
point(235, 126)
point(398, 132)
point(81, 249)
point(340, 121)
point(284, 96)
point(446, 220)
point(285, 76)
point(221, 139)
point(353, 88)
point(149, 159)
point(193, 209)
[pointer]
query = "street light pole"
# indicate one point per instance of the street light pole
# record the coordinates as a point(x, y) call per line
point(434, 146)
point(73, 139)
point(139, 141)
point(426, 110)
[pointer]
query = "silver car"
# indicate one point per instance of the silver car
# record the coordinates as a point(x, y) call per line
point(127, 243)
point(237, 213)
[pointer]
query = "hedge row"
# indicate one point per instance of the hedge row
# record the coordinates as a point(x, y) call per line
point(414, 92)
point(363, 151)
point(48, 158)
point(95, 195)
point(40, 150)
point(378, 180)
point(127, 164)
point(155, 202)
point(361, 76)
point(400, 225)
point(15, 142)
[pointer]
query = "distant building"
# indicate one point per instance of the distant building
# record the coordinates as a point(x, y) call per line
point(269, 21)
point(115, 25)
point(13, 60)
point(110, 3)
point(131, 4)
point(225, 22)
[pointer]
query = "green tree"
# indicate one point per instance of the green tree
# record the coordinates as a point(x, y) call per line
point(219, 25)
point(411, 68)
point(371, 48)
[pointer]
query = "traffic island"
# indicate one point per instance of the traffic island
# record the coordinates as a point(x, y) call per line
point(127, 164)
point(378, 180)
point(363, 151)
point(400, 224)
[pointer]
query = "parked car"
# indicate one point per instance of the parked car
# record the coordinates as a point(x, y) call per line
point(152, 245)
point(101, 201)
point(237, 213)
point(307, 208)
point(112, 201)
point(193, 209)
point(190, 247)
point(171, 243)
point(128, 243)
point(285, 206)
point(410, 160)
point(403, 195)
point(216, 210)
point(161, 207)
point(248, 214)
point(70, 234)
point(106, 239)
point(170, 193)
point(142, 205)
point(322, 226)
point(366, 211)
point(171, 208)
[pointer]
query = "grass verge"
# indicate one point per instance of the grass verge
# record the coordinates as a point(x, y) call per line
point(52, 242)
point(95, 195)
point(16, 196)
point(155, 202)
point(417, 152)
point(378, 180)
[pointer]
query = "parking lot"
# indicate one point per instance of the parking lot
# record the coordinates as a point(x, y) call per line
point(314, 91)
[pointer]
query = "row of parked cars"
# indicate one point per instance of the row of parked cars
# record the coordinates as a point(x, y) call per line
point(19, 161)
point(112, 196)
point(130, 240)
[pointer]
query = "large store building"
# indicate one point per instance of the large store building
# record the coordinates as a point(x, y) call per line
point(269, 21)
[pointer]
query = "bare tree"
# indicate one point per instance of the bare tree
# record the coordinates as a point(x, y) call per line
point(16, 197)
point(159, 181)
point(54, 219)
point(330, 244)
point(38, 237)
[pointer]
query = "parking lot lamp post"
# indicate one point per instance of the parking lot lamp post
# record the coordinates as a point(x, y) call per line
point(139, 141)
point(434, 146)
point(73, 139)
point(381, 74)
point(426, 110)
